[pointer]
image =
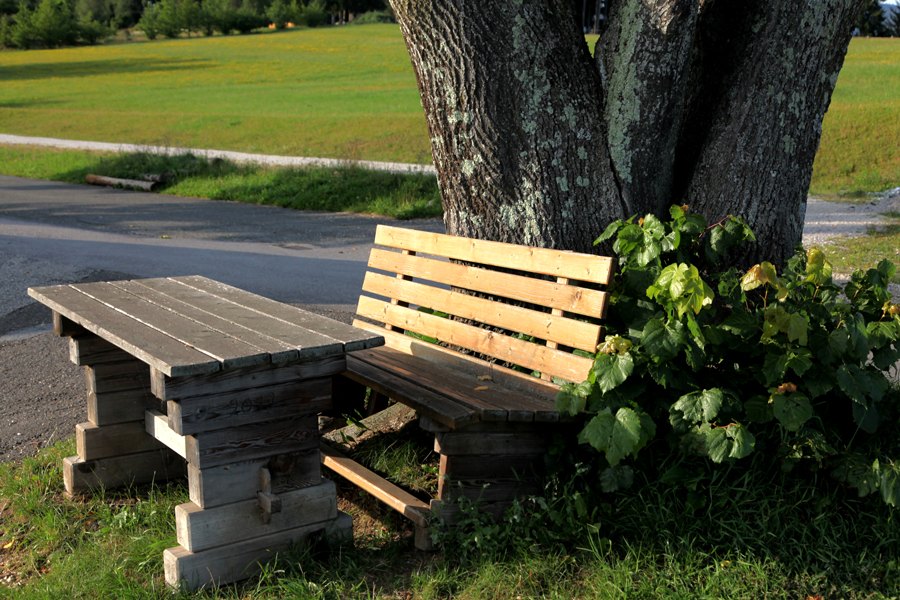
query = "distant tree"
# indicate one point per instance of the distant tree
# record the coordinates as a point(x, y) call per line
point(93, 10)
point(169, 19)
point(149, 22)
point(280, 13)
point(893, 22)
point(126, 13)
point(189, 15)
point(93, 31)
point(7, 27)
point(871, 19)
point(9, 7)
point(23, 35)
point(55, 24)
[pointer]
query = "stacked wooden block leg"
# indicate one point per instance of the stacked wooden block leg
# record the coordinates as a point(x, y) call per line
point(113, 448)
point(250, 438)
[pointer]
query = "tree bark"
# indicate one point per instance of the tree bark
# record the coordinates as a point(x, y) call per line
point(717, 104)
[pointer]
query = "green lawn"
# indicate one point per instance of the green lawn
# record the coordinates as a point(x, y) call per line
point(347, 92)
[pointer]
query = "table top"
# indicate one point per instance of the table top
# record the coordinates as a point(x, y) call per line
point(192, 325)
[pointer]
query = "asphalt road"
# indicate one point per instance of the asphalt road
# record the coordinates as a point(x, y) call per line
point(54, 233)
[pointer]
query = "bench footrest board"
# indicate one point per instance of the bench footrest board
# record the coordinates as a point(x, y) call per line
point(401, 501)
point(195, 570)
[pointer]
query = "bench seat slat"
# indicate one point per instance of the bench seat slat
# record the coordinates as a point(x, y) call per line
point(526, 354)
point(551, 294)
point(545, 326)
point(279, 351)
point(558, 263)
point(230, 351)
point(425, 402)
point(158, 350)
point(352, 339)
point(461, 388)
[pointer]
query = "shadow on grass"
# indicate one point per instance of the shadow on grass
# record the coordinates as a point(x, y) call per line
point(34, 71)
point(344, 189)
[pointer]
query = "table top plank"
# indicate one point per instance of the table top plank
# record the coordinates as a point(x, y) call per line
point(157, 349)
point(217, 318)
point(352, 338)
point(306, 343)
point(231, 352)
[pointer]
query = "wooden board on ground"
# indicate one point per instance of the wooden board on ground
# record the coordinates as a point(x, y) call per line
point(94, 442)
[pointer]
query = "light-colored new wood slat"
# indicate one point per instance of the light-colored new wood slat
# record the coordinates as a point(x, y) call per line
point(534, 388)
point(154, 348)
point(582, 301)
point(278, 351)
point(558, 263)
point(229, 351)
point(461, 387)
point(263, 324)
point(526, 354)
point(350, 337)
point(556, 328)
point(406, 504)
point(424, 401)
point(157, 425)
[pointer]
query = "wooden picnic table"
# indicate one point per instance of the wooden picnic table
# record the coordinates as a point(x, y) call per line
point(188, 374)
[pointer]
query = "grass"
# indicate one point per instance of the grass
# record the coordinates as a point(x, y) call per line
point(348, 92)
point(864, 252)
point(739, 536)
point(345, 189)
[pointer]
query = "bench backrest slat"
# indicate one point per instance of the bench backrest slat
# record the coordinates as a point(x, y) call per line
point(545, 326)
point(520, 352)
point(558, 263)
point(551, 294)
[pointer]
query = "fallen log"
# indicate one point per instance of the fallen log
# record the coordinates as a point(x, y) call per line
point(147, 186)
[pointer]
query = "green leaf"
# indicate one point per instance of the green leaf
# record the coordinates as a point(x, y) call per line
point(741, 323)
point(610, 231)
point(853, 470)
point(796, 328)
point(568, 400)
point(799, 362)
point(885, 358)
point(612, 370)
point(817, 386)
point(700, 406)
point(881, 333)
point(744, 442)
point(774, 367)
point(792, 411)
point(866, 417)
point(890, 483)
point(616, 478)
point(616, 436)
point(718, 446)
point(758, 409)
point(662, 340)
point(859, 342)
point(854, 382)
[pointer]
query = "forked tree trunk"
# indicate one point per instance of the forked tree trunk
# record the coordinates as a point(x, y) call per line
point(717, 104)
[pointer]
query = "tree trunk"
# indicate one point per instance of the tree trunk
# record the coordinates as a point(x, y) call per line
point(717, 104)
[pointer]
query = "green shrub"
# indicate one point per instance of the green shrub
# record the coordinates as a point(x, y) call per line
point(168, 19)
point(7, 27)
point(23, 35)
point(149, 22)
point(281, 13)
point(724, 364)
point(54, 24)
point(373, 16)
point(93, 31)
point(246, 20)
point(312, 15)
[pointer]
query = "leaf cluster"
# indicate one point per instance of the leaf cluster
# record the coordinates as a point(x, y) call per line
point(708, 361)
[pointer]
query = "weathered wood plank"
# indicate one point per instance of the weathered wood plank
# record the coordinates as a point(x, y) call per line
point(215, 486)
point(520, 352)
point(154, 348)
point(118, 407)
point(465, 389)
point(569, 298)
point(541, 325)
point(427, 403)
point(558, 263)
point(457, 444)
point(178, 388)
point(89, 349)
point(80, 476)
point(349, 337)
point(244, 407)
point(251, 441)
point(157, 425)
point(277, 350)
point(403, 502)
point(201, 529)
point(192, 571)
point(472, 472)
point(231, 352)
point(130, 374)
point(545, 391)
point(92, 442)
point(63, 326)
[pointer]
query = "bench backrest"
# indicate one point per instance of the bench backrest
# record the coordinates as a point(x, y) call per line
point(552, 301)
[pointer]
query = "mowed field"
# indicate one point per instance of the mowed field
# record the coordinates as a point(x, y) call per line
point(347, 92)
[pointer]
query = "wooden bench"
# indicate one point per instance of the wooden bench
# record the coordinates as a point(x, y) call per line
point(500, 312)
point(190, 377)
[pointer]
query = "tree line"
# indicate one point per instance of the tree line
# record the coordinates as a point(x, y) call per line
point(28, 24)
point(877, 21)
